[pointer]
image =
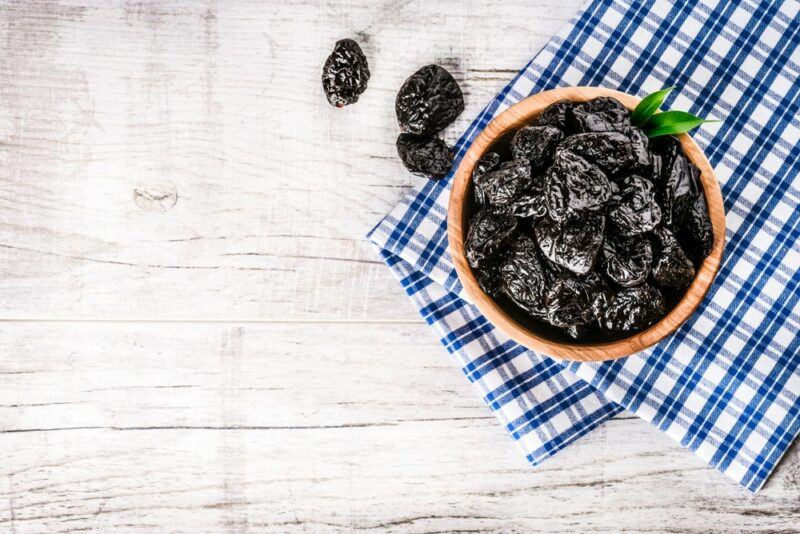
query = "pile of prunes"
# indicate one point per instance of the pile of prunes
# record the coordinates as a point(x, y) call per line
point(583, 227)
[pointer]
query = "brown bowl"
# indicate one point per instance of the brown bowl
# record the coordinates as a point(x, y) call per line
point(524, 113)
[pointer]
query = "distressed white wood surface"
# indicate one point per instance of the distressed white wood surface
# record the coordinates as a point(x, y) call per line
point(169, 162)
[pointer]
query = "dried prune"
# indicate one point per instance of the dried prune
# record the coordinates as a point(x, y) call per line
point(627, 262)
point(568, 303)
point(425, 156)
point(573, 185)
point(489, 230)
point(679, 191)
point(611, 151)
point(557, 115)
point(671, 267)
point(697, 233)
point(602, 114)
point(345, 74)
point(634, 209)
point(640, 147)
point(529, 206)
point(488, 276)
point(633, 308)
point(577, 331)
point(489, 162)
point(524, 280)
point(501, 186)
point(429, 100)
point(574, 244)
point(536, 144)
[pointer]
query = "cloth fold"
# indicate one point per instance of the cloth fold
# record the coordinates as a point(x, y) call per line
point(726, 384)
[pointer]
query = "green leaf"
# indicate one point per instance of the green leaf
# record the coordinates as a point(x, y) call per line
point(672, 123)
point(648, 106)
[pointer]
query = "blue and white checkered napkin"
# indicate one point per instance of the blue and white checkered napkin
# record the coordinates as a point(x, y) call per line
point(726, 385)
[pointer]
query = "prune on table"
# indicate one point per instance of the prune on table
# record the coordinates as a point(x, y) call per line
point(678, 191)
point(573, 185)
point(611, 151)
point(557, 115)
point(429, 100)
point(671, 267)
point(425, 156)
point(602, 114)
point(634, 209)
point(504, 184)
point(489, 162)
point(345, 74)
point(640, 146)
point(697, 233)
point(633, 308)
point(524, 280)
point(574, 244)
point(488, 231)
point(627, 262)
point(536, 144)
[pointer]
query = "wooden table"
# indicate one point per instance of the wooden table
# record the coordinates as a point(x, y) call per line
point(196, 336)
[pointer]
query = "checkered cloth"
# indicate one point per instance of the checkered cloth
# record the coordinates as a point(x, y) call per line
point(726, 384)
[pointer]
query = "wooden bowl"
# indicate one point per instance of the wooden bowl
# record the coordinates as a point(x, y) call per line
point(521, 114)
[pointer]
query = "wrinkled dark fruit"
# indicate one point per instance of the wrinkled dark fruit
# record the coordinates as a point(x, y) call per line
point(611, 151)
point(573, 245)
point(536, 144)
point(697, 233)
point(489, 162)
point(602, 114)
point(592, 231)
point(429, 157)
point(634, 308)
point(627, 262)
point(573, 186)
point(634, 209)
point(429, 100)
point(523, 278)
point(488, 232)
point(501, 186)
point(671, 267)
point(557, 115)
point(345, 74)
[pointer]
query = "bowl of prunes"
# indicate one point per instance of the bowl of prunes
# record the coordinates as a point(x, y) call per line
point(579, 236)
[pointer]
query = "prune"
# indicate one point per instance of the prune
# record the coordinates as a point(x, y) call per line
point(524, 280)
point(640, 147)
point(671, 267)
point(633, 308)
point(425, 156)
point(568, 303)
point(577, 331)
point(536, 144)
point(627, 262)
point(679, 191)
point(557, 115)
point(602, 114)
point(573, 185)
point(489, 162)
point(634, 209)
point(697, 233)
point(488, 232)
point(611, 151)
point(573, 245)
point(529, 206)
point(488, 276)
point(501, 186)
point(345, 74)
point(429, 100)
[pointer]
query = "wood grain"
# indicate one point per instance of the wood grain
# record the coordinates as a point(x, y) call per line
point(185, 151)
point(267, 427)
point(524, 113)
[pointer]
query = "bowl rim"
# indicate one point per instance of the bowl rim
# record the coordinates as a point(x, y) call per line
point(521, 114)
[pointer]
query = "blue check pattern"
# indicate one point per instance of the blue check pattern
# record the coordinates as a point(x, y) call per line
point(726, 384)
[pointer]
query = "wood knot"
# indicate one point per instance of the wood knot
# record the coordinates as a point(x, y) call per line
point(157, 197)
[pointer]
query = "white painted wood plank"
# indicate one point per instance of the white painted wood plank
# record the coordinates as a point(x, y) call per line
point(184, 151)
point(201, 428)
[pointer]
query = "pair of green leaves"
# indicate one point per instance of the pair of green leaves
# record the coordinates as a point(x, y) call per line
point(656, 123)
